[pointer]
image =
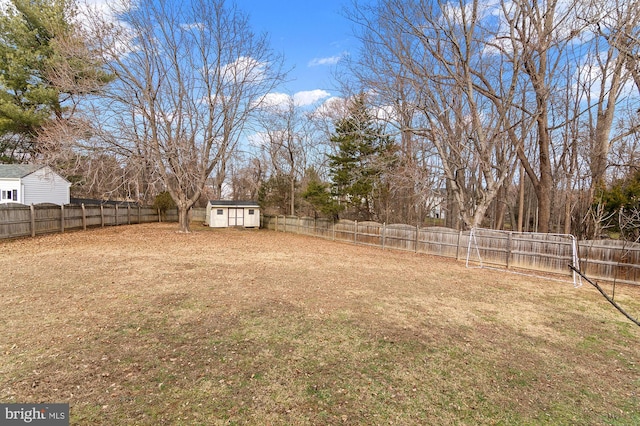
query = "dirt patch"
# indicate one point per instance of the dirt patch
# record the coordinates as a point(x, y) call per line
point(144, 325)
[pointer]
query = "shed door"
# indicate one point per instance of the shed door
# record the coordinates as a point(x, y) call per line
point(236, 217)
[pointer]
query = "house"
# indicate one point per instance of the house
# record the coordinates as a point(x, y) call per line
point(225, 213)
point(32, 184)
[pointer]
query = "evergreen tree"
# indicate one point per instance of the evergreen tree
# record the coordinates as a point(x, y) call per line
point(44, 64)
point(622, 206)
point(318, 195)
point(364, 154)
point(274, 195)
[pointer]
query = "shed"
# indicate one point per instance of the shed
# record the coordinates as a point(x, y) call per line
point(226, 213)
point(32, 184)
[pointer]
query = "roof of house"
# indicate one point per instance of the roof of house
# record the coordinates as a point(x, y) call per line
point(231, 203)
point(17, 171)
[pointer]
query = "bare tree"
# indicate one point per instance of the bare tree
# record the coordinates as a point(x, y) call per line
point(246, 179)
point(189, 76)
point(606, 78)
point(440, 54)
point(284, 127)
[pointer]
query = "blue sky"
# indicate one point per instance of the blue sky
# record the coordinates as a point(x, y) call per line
point(312, 35)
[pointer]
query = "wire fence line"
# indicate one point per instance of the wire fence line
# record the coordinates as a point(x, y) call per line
point(518, 251)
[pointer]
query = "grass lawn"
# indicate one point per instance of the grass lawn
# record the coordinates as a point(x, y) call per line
point(142, 325)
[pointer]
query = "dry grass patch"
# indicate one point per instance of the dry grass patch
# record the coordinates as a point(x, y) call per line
point(142, 325)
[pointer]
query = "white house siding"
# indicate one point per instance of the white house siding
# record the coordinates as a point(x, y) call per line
point(45, 186)
point(9, 188)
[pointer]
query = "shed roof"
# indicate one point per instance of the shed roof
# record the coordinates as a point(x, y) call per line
point(17, 171)
point(233, 203)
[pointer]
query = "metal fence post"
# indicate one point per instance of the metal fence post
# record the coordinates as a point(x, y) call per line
point(84, 217)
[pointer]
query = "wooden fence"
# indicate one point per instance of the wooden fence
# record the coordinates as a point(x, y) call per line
point(29, 221)
point(547, 253)
point(611, 260)
point(608, 260)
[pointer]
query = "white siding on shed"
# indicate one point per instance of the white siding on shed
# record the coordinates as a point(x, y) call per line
point(223, 213)
point(251, 217)
point(219, 217)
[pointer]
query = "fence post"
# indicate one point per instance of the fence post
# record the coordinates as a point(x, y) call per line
point(417, 237)
point(33, 220)
point(458, 245)
point(116, 215)
point(102, 215)
point(384, 234)
point(355, 232)
point(84, 217)
point(333, 229)
point(159, 216)
point(509, 238)
point(298, 224)
point(128, 214)
point(62, 218)
point(139, 215)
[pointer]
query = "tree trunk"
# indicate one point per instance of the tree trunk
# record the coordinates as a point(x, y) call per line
point(292, 188)
point(567, 212)
point(545, 183)
point(521, 201)
point(500, 208)
point(183, 218)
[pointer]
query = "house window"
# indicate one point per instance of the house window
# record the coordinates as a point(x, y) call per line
point(219, 212)
point(15, 195)
point(251, 211)
point(4, 195)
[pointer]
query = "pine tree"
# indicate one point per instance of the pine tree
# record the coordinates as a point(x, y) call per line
point(318, 195)
point(621, 203)
point(364, 155)
point(44, 64)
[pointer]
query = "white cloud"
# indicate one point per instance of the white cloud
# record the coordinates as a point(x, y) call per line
point(193, 26)
point(309, 97)
point(108, 10)
point(258, 139)
point(276, 99)
point(331, 60)
point(300, 99)
point(244, 69)
point(333, 109)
